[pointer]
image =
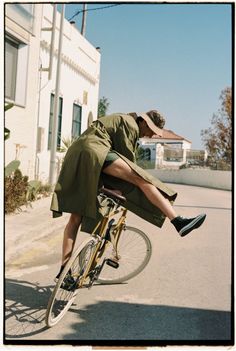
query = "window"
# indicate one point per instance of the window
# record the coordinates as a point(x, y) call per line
point(22, 14)
point(16, 70)
point(76, 121)
point(11, 55)
point(147, 154)
point(59, 122)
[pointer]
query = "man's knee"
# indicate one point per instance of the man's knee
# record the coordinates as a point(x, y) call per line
point(122, 170)
point(138, 181)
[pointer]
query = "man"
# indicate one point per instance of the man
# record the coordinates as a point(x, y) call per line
point(105, 155)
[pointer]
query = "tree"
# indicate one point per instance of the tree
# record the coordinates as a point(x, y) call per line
point(218, 138)
point(103, 105)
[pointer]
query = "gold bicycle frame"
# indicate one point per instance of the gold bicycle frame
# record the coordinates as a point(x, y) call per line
point(99, 250)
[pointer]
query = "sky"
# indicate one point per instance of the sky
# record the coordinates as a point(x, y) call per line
point(176, 58)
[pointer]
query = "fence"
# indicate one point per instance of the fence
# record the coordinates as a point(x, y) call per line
point(173, 155)
point(159, 156)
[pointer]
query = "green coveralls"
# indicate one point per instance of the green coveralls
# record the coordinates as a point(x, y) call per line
point(80, 178)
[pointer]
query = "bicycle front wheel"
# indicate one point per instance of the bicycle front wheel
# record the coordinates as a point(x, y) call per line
point(134, 252)
point(66, 288)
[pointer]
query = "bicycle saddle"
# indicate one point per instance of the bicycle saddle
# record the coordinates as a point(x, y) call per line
point(112, 194)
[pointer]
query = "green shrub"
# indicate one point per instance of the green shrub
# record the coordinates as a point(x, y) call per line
point(19, 191)
point(146, 164)
point(37, 190)
point(11, 167)
point(16, 186)
point(45, 189)
point(33, 188)
point(220, 165)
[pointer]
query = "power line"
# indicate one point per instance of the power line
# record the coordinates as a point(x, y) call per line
point(93, 9)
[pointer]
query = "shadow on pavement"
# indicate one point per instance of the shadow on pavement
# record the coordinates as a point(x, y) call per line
point(207, 207)
point(25, 307)
point(114, 322)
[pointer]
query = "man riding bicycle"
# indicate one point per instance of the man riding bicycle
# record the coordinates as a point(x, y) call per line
point(105, 155)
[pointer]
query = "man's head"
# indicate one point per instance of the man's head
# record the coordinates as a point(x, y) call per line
point(150, 123)
point(157, 118)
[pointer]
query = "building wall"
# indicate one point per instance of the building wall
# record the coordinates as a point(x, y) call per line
point(21, 119)
point(79, 84)
point(80, 69)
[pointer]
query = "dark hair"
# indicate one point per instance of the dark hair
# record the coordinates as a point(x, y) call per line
point(133, 114)
point(139, 120)
point(157, 118)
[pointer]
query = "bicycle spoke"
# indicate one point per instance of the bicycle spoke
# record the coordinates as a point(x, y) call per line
point(68, 285)
point(134, 252)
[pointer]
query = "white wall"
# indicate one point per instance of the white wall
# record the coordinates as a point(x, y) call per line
point(199, 177)
point(21, 119)
point(80, 71)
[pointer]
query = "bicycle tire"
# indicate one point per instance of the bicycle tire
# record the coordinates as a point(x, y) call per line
point(61, 299)
point(135, 248)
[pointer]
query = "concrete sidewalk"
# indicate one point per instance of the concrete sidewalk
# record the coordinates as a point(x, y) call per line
point(27, 230)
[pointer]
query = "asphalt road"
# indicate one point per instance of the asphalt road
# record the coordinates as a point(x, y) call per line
point(183, 295)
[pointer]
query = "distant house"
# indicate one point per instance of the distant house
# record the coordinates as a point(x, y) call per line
point(168, 150)
point(169, 138)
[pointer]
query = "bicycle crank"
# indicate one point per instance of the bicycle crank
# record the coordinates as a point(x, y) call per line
point(112, 263)
point(94, 274)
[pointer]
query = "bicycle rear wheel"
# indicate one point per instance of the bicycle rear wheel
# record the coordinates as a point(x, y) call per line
point(134, 253)
point(66, 288)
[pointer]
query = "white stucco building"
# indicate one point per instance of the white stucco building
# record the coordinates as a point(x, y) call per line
point(29, 86)
point(169, 150)
point(22, 51)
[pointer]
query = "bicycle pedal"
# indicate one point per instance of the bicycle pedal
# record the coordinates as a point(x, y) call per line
point(112, 263)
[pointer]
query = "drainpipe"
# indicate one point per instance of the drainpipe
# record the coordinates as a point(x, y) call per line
point(53, 30)
point(52, 41)
point(56, 103)
point(36, 162)
point(36, 165)
point(83, 27)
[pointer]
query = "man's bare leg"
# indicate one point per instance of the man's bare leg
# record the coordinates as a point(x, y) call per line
point(122, 170)
point(70, 234)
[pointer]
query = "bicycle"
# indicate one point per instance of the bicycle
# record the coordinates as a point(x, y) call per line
point(112, 244)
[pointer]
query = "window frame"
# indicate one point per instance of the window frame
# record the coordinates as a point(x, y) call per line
point(21, 15)
point(21, 71)
point(12, 81)
point(76, 122)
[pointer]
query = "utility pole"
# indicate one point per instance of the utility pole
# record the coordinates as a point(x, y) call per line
point(56, 103)
point(83, 27)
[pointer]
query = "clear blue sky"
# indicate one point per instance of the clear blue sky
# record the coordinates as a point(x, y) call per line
point(172, 57)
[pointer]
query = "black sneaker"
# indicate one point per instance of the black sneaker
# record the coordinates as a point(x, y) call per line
point(68, 282)
point(58, 274)
point(186, 225)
